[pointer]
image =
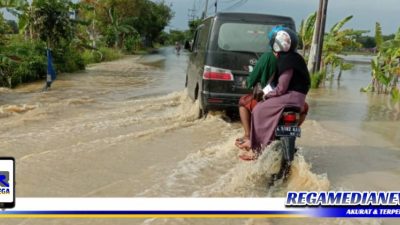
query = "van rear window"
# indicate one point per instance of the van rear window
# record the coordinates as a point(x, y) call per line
point(244, 37)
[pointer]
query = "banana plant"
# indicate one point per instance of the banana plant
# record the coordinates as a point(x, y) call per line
point(25, 14)
point(335, 42)
point(89, 10)
point(118, 28)
point(386, 65)
point(306, 32)
point(6, 64)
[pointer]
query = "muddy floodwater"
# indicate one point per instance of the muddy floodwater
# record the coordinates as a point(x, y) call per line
point(127, 129)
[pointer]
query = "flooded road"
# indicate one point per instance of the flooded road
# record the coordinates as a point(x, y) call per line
point(127, 129)
point(360, 148)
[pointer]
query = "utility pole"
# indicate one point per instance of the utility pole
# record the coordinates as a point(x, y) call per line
point(312, 59)
point(205, 10)
point(321, 35)
point(191, 14)
point(216, 4)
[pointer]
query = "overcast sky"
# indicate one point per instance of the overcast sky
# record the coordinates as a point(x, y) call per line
point(365, 12)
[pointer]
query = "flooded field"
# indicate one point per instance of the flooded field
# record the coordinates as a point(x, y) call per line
point(128, 129)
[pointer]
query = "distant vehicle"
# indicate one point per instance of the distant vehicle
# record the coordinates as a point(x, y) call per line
point(177, 48)
point(225, 48)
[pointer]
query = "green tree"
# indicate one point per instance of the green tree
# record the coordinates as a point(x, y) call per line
point(13, 6)
point(177, 36)
point(87, 11)
point(367, 41)
point(118, 29)
point(55, 27)
point(193, 24)
point(153, 18)
point(3, 58)
point(118, 20)
point(4, 26)
point(52, 21)
point(24, 12)
point(11, 58)
point(13, 26)
point(11, 3)
point(4, 30)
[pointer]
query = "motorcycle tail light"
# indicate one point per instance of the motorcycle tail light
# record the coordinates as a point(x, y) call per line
point(289, 118)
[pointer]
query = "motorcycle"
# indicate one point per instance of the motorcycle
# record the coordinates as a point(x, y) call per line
point(177, 49)
point(287, 131)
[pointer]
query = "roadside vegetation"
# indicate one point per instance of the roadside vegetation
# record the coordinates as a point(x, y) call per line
point(182, 36)
point(78, 34)
point(338, 41)
point(385, 66)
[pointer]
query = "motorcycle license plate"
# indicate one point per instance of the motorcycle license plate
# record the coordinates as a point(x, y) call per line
point(287, 131)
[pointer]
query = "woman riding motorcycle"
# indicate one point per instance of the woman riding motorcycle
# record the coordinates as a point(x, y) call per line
point(292, 82)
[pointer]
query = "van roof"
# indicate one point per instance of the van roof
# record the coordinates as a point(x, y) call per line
point(252, 16)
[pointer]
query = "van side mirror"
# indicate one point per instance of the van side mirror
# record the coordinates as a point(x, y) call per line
point(190, 45)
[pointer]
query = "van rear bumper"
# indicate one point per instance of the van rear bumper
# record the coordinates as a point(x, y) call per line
point(214, 100)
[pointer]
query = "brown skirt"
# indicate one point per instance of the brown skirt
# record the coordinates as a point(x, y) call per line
point(266, 115)
point(248, 102)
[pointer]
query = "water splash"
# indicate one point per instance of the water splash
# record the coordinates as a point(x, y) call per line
point(9, 110)
point(251, 179)
point(216, 171)
point(5, 90)
point(80, 101)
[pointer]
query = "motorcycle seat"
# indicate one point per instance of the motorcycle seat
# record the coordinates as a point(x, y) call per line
point(292, 109)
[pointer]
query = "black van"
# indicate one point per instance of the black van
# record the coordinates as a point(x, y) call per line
point(225, 48)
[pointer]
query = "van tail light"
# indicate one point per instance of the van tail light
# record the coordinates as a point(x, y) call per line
point(213, 73)
point(215, 100)
point(290, 118)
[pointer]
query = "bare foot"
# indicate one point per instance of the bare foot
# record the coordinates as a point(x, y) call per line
point(249, 156)
point(241, 140)
point(245, 145)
